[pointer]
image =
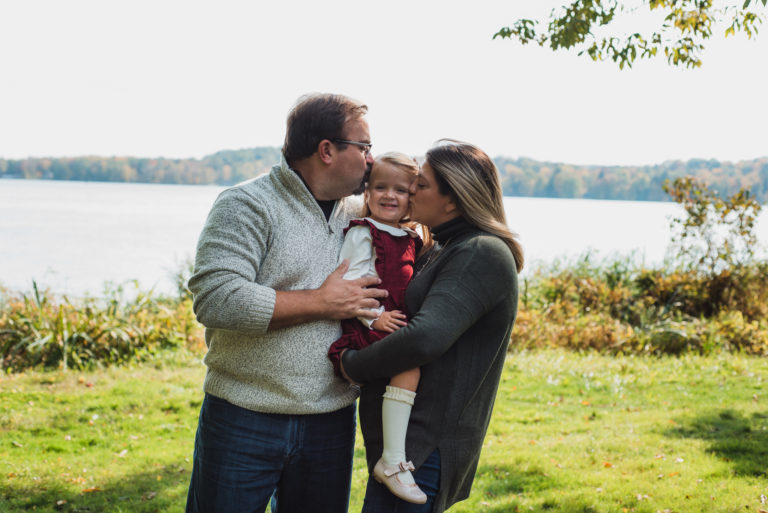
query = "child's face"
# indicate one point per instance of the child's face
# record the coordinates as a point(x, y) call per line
point(387, 193)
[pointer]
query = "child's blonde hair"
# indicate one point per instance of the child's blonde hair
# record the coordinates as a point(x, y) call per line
point(410, 166)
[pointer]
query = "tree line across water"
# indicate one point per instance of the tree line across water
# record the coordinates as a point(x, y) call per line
point(711, 296)
point(520, 177)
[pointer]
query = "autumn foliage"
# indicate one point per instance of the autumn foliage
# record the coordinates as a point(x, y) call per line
point(711, 296)
point(620, 309)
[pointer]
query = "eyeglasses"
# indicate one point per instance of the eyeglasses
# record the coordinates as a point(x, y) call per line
point(366, 147)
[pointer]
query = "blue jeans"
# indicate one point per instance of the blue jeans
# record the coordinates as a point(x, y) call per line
point(378, 499)
point(243, 457)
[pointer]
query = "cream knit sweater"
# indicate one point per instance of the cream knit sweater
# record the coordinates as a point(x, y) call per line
point(264, 235)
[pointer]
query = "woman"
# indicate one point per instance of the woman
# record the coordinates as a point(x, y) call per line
point(464, 302)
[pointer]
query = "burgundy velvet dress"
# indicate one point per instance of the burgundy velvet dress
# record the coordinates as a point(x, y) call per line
point(395, 256)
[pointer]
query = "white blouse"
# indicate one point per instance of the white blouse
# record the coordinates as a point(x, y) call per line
point(358, 249)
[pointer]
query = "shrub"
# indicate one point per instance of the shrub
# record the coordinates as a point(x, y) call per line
point(717, 232)
point(617, 307)
point(42, 330)
point(734, 332)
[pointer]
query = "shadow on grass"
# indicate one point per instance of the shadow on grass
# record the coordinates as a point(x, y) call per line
point(734, 438)
point(531, 490)
point(565, 506)
point(511, 484)
point(510, 481)
point(141, 492)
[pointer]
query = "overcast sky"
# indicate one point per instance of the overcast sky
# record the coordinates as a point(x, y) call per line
point(182, 78)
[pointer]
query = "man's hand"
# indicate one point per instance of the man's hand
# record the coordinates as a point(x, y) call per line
point(345, 299)
point(336, 298)
point(389, 322)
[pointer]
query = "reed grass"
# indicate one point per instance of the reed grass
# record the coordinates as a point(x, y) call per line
point(124, 325)
point(611, 306)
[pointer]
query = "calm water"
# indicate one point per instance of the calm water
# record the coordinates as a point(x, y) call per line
point(75, 236)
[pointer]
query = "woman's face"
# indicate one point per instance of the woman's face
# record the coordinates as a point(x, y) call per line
point(428, 206)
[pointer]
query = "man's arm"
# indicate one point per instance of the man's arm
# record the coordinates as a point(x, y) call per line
point(227, 259)
point(226, 295)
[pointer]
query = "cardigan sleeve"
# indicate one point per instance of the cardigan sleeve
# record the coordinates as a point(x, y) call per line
point(358, 249)
point(229, 253)
point(471, 281)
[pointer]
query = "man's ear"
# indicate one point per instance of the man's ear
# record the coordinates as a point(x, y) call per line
point(325, 151)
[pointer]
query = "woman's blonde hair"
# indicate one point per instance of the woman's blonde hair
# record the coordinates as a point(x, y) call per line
point(410, 166)
point(469, 176)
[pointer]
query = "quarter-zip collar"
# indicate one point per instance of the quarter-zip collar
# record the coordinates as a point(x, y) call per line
point(296, 184)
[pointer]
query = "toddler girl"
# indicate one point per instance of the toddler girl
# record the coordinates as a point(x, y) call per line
point(381, 245)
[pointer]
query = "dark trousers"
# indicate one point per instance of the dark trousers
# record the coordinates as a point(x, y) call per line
point(242, 458)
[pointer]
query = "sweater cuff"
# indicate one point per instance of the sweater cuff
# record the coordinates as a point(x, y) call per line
point(369, 322)
point(259, 307)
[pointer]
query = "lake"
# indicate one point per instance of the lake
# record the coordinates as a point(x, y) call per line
point(72, 237)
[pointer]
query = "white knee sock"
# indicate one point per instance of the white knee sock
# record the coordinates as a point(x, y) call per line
point(395, 413)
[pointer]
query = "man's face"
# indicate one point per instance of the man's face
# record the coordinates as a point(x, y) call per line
point(353, 163)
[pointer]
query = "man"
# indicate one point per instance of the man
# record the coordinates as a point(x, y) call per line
point(274, 418)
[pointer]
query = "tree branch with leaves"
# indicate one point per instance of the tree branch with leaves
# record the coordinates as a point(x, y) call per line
point(680, 37)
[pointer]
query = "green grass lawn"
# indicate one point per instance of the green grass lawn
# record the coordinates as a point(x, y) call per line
point(570, 433)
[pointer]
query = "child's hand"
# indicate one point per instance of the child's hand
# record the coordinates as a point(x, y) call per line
point(389, 322)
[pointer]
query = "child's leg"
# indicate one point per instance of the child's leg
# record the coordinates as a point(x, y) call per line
point(408, 380)
point(395, 413)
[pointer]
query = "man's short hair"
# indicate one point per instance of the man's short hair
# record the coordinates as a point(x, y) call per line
point(316, 117)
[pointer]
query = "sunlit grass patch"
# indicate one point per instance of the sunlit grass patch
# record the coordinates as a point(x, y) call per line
point(112, 440)
point(570, 433)
point(594, 433)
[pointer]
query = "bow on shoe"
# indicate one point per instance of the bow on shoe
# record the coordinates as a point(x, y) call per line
point(403, 466)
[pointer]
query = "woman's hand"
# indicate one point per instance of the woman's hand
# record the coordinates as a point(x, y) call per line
point(389, 322)
point(343, 372)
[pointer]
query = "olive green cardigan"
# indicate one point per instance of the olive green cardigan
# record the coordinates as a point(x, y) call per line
point(463, 305)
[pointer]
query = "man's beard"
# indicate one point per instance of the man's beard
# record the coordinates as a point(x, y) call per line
point(361, 188)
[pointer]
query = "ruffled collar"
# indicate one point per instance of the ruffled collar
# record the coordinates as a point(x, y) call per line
point(397, 232)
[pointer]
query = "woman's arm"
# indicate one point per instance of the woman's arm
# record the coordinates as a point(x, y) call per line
point(470, 283)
